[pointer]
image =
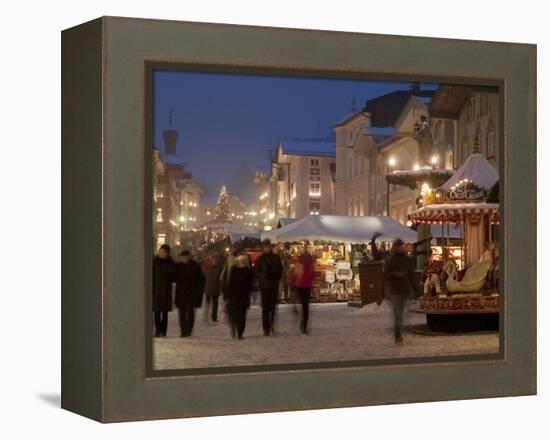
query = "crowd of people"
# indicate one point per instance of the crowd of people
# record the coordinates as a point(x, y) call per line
point(234, 278)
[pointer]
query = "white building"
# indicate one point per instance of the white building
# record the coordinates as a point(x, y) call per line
point(303, 172)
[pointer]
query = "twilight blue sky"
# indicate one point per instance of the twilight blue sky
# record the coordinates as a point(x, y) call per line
point(224, 118)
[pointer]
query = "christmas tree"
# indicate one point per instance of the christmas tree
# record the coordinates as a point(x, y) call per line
point(223, 207)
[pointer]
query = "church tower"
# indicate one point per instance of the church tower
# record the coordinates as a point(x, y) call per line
point(170, 136)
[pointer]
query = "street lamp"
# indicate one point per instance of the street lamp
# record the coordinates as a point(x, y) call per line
point(434, 161)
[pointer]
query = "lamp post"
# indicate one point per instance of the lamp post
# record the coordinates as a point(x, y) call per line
point(391, 167)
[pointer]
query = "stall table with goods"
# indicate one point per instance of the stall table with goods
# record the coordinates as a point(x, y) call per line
point(337, 243)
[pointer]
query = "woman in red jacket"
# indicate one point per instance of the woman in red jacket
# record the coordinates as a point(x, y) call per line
point(304, 273)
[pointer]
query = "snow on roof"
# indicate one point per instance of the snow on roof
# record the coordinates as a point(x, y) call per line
point(322, 146)
point(477, 169)
point(378, 131)
point(348, 117)
point(341, 228)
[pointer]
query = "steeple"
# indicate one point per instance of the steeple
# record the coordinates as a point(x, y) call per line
point(170, 135)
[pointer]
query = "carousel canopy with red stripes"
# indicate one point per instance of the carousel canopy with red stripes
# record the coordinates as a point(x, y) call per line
point(453, 212)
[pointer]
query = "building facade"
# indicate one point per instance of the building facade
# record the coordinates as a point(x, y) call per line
point(369, 143)
point(176, 202)
point(303, 175)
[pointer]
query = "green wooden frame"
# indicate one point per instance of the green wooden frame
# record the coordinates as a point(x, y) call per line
point(106, 353)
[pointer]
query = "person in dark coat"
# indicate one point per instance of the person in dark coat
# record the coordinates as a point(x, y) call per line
point(304, 274)
point(269, 270)
point(211, 267)
point(238, 295)
point(398, 284)
point(163, 276)
point(189, 287)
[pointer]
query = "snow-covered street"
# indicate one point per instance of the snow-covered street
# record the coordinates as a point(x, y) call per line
point(338, 332)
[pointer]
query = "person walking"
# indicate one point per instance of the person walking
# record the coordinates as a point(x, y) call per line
point(268, 270)
point(163, 276)
point(238, 295)
point(211, 268)
point(304, 275)
point(398, 284)
point(225, 274)
point(189, 287)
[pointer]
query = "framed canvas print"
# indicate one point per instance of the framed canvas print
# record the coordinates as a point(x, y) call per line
point(262, 219)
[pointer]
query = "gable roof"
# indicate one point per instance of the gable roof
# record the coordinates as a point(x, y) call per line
point(321, 146)
point(386, 109)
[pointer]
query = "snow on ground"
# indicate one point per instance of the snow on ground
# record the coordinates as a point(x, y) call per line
point(338, 332)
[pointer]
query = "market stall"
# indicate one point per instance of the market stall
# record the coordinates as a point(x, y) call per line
point(461, 288)
point(338, 244)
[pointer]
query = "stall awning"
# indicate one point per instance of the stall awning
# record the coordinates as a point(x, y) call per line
point(476, 169)
point(453, 212)
point(341, 228)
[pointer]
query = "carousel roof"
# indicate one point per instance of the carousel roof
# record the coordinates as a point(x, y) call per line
point(453, 212)
point(341, 228)
point(477, 169)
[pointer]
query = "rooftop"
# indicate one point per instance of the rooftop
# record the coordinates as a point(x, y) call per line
point(386, 109)
point(321, 146)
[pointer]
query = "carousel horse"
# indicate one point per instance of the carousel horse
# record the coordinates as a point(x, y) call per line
point(474, 278)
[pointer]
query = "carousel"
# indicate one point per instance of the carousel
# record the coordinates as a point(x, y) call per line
point(461, 284)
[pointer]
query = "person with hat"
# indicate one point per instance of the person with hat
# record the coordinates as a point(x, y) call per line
point(399, 284)
point(163, 276)
point(189, 288)
point(268, 270)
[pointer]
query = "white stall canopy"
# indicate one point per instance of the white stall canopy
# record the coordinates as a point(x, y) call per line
point(341, 228)
point(477, 169)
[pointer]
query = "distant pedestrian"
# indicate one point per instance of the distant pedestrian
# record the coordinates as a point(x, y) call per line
point(398, 284)
point(163, 276)
point(211, 266)
point(304, 276)
point(238, 295)
point(189, 287)
point(269, 270)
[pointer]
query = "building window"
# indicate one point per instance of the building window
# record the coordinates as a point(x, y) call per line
point(160, 191)
point(483, 104)
point(463, 153)
point(314, 208)
point(471, 109)
point(491, 144)
point(449, 159)
point(314, 189)
point(314, 163)
point(437, 124)
point(161, 239)
point(159, 215)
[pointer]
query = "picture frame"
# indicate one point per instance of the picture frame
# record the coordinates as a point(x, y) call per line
point(106, 369)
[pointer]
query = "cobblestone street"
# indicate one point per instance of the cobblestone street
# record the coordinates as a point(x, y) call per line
point(338, 332)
